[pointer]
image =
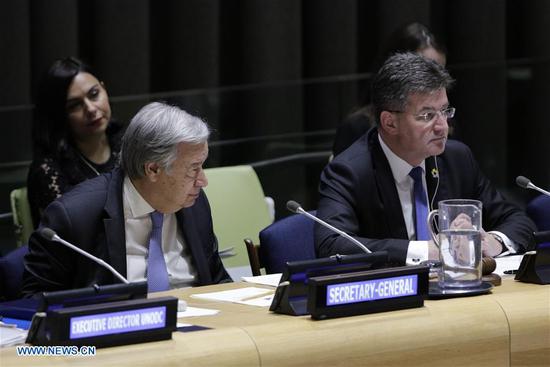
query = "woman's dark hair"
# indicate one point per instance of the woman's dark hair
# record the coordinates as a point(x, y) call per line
point(50, 128)
point(412, 37)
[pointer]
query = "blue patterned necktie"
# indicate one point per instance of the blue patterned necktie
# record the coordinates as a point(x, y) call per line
point(157, 275)
point(420, 205)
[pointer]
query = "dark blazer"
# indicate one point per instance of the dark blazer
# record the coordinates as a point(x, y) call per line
point(358, 195)
point(91, 217)
point(350, 129)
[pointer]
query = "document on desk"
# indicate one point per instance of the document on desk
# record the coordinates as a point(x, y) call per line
point(10, 336)
point(507, 263)
point(252, 296)
point(196, 311)
point(271, 280)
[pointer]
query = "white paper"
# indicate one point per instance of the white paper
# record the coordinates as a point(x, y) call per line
point(181, 324)
point(262, 301)
point(249, 296)
point(227, 252)
point(10, 336)
point(507, 263)
point(196, 311)
point(271, 280)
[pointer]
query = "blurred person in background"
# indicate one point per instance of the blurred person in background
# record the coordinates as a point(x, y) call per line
point(74, 137)
point(413, 37)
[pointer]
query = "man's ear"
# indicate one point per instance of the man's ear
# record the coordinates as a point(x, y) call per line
point(152, 171)
point(388, 122)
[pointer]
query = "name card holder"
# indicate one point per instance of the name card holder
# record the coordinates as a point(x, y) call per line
point(535, 265)
point(291, 295)
point(103, 316)
point(367, 292)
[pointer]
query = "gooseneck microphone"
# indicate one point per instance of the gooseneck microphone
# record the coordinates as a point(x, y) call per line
point(526, 183)
point(297, 208)
point(50, 235)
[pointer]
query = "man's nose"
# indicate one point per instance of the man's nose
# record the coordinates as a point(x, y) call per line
point(441, 121)
point(201, 180)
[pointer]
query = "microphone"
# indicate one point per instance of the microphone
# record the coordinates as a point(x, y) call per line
point(297, 208)
point(50, 235)
point(526, 183)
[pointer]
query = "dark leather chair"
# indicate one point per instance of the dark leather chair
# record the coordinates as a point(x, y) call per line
point(11, 273)
point(538, 210)
point(289, 239)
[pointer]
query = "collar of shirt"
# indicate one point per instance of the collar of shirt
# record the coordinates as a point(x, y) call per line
point(135, 205)
point(137, 230)
point(399, 168)
point(404, 185)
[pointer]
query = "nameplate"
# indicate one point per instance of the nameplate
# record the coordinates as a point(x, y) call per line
point(367, 291)
point(372, 290)
point(291, 295)
point(117, 322)
point(106, 324)
point(535, 265)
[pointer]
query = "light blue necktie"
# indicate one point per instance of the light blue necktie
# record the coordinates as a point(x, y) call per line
point(420, 205)
point(157, 275)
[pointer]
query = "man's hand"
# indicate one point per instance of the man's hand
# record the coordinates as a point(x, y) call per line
point(433, 251)
point(462, 221)
point(460, 247)
point(490, 246)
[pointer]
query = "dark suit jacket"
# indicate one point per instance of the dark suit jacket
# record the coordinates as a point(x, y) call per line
point(348, 131)
point(91, 217)
point(358, 195)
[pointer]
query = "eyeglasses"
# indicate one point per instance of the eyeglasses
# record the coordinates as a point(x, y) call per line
point(427, 117)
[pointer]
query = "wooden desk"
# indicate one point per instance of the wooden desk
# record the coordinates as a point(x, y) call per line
point(511, 326)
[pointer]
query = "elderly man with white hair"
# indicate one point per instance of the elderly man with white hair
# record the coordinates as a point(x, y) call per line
point(149, 219)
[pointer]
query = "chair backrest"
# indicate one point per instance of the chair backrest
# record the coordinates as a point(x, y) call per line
point(253, 250)
point(289, 239)
point(22, 219)
point(238, 208)
point(538, 210)
point(11, 273)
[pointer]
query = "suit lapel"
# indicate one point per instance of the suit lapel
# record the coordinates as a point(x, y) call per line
point(193, 242)
point(435, 180)
point(387, 190)
point(114, 223)
point(432, 177)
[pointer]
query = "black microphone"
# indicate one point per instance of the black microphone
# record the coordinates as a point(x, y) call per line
point(526, 183)
point(297, 208)
point(50, 235)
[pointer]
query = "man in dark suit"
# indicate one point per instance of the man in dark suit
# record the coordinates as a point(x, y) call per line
point(149, 219)
point(368, 190)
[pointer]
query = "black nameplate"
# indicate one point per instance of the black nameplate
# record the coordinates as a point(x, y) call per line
point(366, 292)
point(535, 265)
point(291, 295)
point(102, 316)
point(106, 324)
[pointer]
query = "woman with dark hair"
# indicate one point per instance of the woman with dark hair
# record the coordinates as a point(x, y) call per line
point(74, 137)
point(413, 37)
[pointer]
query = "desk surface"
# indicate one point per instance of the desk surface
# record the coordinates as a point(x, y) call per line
point(511, 326)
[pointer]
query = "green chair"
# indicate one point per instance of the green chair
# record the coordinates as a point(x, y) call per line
point(22, 219)
point(239, 209)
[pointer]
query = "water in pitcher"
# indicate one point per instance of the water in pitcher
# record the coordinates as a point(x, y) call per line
point(460, 255)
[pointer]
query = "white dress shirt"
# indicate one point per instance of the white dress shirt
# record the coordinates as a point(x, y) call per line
point(418, 250)
point(137, 227)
